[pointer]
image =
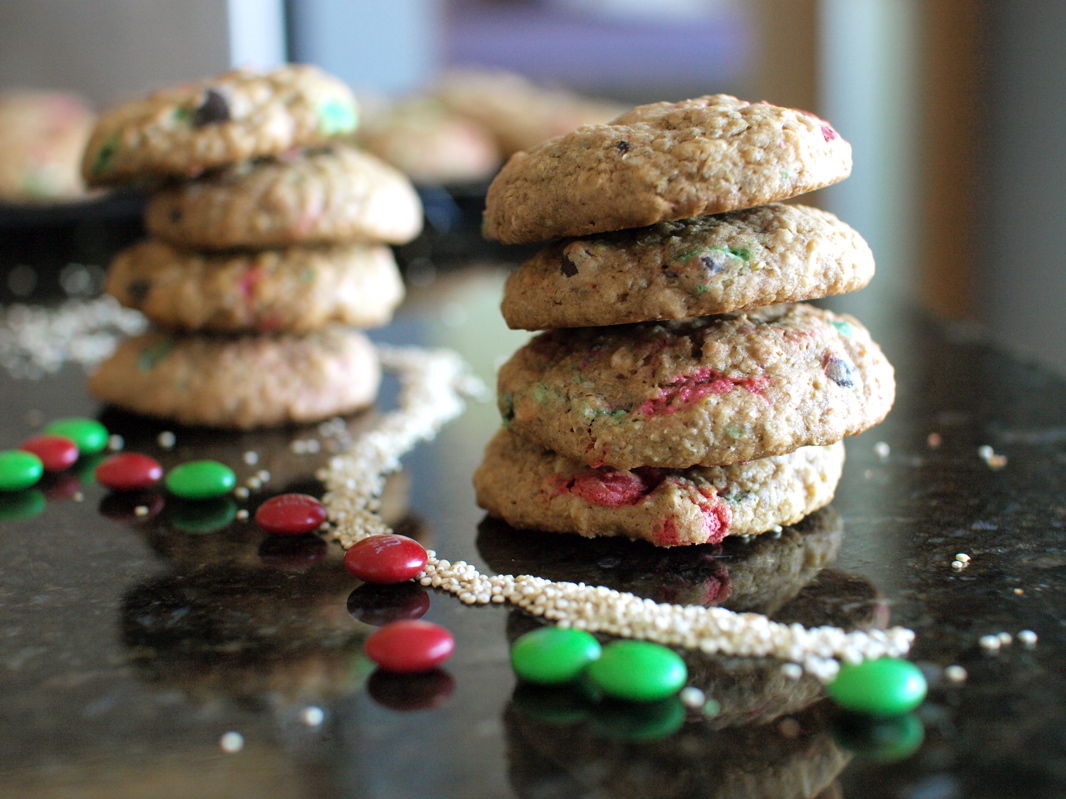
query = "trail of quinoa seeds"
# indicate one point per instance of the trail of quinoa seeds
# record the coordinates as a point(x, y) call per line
point(433, 385)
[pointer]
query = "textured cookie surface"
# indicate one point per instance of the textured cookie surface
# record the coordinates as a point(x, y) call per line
point(333, 195)
point(531, 487)
point(691, 267)
point(294, 289)
point(660, 162)
point(241, 382)
point(184, 130)
point(706, 391)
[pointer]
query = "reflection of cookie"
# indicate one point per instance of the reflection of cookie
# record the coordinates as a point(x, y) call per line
point(693, 267)
point(184, 130)
point(756, 576)
point(660, 162)
point(294, 289)
point(530, 487)
point(431, 144)
point(42, 135)
point(241, 382)
point(711, 390)
point(338, 194)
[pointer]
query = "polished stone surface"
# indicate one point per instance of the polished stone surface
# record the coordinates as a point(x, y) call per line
point(132, 641)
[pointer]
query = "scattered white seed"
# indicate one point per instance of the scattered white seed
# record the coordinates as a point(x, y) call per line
point(242, 514)
point(78, 496)
point(882, 450)
point(231, 742)
point(990, 642)
point(254, 483)
point(984, 452)
point(789, 727)
point(115, 442)
point(956, 673)
point(312, 716)
point(167, 439)
point(692, 697)
point(958, 565)
point(962, 556)
point(1027, 637)
point(240, 492)
point(263, 475)
point(792, 670)
point(250, 457)
point(1005, 638)
point(934, 440)
point(141, 510)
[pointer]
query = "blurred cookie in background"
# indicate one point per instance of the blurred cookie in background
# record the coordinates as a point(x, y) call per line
point(42, 136)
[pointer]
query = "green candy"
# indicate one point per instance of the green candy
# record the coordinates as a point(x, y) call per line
point(882, 687)
point(19, 470)
point(553, 655)
point(336, 117)
point(638, 671)
point(90, 436)
point(200, 480)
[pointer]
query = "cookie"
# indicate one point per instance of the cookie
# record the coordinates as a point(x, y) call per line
point(295, 289)
point(185, 130)
point(661, 162)
point(519, 113)
point(530, 487)
point(691, 267)
point(708, 391)
point(430, 144)
point(42, 135)
point(241, 382)
point(331, 195)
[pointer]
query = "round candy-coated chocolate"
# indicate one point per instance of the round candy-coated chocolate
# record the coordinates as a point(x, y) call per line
point(19, 469)
point(638, 671)
point(385, 559)
point(200, 479)
point(290, 514)
point(409, 646)
point(56, 452)
point(128, 471)
point(88, 434)
point(882, 687)
point(553, 655)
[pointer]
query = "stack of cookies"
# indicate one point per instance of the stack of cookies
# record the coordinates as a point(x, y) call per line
point(682, 391)
point(268, 252)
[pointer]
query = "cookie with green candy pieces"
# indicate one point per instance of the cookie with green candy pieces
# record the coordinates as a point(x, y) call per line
point(185, 130)
point(241, 382)
point(709, 391)
point(691, 267)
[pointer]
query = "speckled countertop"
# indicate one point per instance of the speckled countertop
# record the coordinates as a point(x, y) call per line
point(132, 648)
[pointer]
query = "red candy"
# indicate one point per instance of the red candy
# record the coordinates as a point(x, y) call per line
point(612, 489)
point(290, 514)
point(385, 559)
point(409, 646)
point(686, 390)
point(56, 452)
point(128, 471)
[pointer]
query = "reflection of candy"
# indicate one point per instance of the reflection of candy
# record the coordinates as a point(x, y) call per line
point(410, 691)
point(292, 553)
point(377, 605)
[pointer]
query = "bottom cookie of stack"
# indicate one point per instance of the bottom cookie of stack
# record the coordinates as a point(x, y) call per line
point(531, 487)
point(243, 381)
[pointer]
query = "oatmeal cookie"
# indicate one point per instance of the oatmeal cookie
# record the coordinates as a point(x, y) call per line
point(692, 267)
point(531, 487)
point(339, 194)
point(241, 382)
point(707, 391)
point(661, 162)
point(185, 130)
point(295, 289)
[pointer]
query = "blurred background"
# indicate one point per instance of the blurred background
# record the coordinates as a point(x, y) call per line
point(954, 108)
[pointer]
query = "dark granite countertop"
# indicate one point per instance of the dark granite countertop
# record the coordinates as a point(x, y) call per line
point(131, 645)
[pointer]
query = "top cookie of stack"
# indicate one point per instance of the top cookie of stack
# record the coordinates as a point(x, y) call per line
point(674, 398)
point(268, 249)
